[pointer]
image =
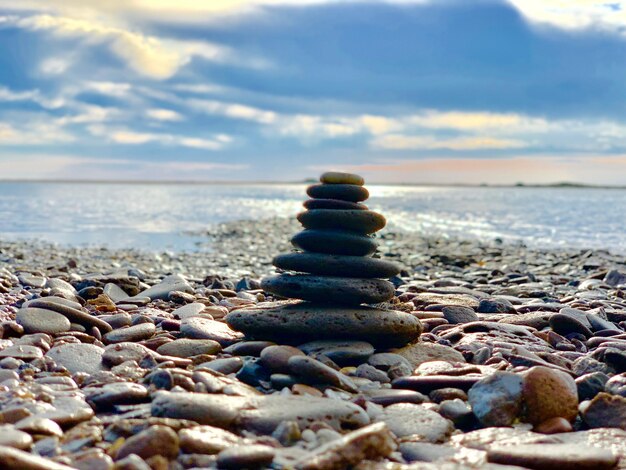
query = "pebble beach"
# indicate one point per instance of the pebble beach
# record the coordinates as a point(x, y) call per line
point(123, 359)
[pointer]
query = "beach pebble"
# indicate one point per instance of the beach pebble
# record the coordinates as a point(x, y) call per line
point(155, 440)
point(497, 399)
point(340, 352)
point(206, 440)
point(78, 357)
point(276, 358)
point(550, 456)
point(131, 333)
point(549, 393)
point(246, 456)
point(12, 437)
point(407, 419)
point(459, 314)
point(204, 328)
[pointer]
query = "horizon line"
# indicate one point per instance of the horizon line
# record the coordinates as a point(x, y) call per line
point(563, 184)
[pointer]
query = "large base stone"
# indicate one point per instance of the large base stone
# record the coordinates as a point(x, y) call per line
point(296, 323)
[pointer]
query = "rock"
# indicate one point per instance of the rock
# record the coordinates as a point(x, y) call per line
point(616, 385)
point(114, 292)
point(407, 419)
point(386, 397)
point(615, 278)
point(206, 440)
point(186, 347)
point(459, 314)
point(156, 440)
point(371, 373)
point(23, 352)
point(427, 384)
point(203, 328)
point(78, 357)
point(425, 451)
point(322, 289)
point(554, 426)
point(334, 204)
point(15, 459)
point(174, 282)
point(551, 456)
point(12, 437)
point(342, 192)
point(337, 265)
point(312, 371)
point(296, 323)
point(260, 414)
point(343, 353)
point(30, 280)
point(335, 242)
point(72, 311)
point(39, 320)
point(495, 306)
point(137, 332)
point(246, 456)
point(117, 393)
point(606, 411)
point(565, 324)
point(369, 443)
point(549, 393)
point(338, 177)
point(357, 221)
point(589, 385)
point(189, 310)
point(463, 300)
point(276, 358)
point(497, 399)
point(419, 353)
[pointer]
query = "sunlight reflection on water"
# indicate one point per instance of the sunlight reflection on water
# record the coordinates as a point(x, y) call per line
point(156, 216)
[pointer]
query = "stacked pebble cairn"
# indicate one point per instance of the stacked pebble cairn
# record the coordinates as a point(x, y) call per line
point(333, 277)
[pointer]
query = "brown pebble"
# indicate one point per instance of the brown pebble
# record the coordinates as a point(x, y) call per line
point(554, 426)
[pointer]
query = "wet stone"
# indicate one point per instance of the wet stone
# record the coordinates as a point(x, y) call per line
point(38, 320)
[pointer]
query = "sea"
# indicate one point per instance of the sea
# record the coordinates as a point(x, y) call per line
point(172, 217)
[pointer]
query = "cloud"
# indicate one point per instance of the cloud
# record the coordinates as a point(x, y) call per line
point(150, 56)
point(32, 133)
point(233, 110)
point(130, 137)
point(407, 142)
point(163, 115)
point(575, 14)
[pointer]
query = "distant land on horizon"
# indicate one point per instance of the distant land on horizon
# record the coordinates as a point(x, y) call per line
point(564, 184)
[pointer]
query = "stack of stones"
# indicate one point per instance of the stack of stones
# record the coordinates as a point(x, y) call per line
point(334, 276)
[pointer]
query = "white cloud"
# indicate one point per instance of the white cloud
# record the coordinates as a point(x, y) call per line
point(409, 142)
point(115, 89)
point(32, 133)
point(233, 110)
point(130, 137)
point(55, 65)
point(150, 56)
point(159, 114)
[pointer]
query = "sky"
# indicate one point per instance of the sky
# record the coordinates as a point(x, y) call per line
point(415, 91)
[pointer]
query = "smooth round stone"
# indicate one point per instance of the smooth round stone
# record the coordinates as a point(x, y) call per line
point(342, 192)
point(334, 242)
point(276, 358)
point(549, 393)
point(322, 289)
point(339, 177)
point(362, 222)
point(565, 324)
point(156, 440)
point(343, 353)
point(246, 456)
point(116, 393)
point(9, 436)
point(189, 310)
point(248, 348)
point(30, 280)
point(72, 311)
point(206, 440)
point(333, 204)
point(386, 396)
point(337, 265)
point(204, 328)
point(458, 314)
point(408, 419)
point(497, 399)
point(78, 357)
point(296, 323)
point(312, 371)
point(185, 347)
point(132, 333)
point(24, 352)
point(39, 320)
point(552, 456)
point(15, 459)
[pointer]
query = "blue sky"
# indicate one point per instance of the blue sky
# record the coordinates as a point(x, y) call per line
point(437, 91)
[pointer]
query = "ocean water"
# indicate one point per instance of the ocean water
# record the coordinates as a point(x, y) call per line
point(163, 216)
